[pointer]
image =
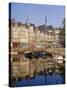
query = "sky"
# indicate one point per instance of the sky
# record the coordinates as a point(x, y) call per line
point(36, 13)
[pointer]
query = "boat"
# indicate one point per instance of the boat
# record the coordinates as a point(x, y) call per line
point(58, 57)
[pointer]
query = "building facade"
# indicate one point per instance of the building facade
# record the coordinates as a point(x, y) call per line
point(57, 38)
point(21, 35)
point(50, 38)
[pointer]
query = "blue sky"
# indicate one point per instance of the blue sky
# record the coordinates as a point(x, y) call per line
point(36, 13)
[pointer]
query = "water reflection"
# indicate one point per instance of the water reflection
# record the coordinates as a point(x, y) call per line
point(41, 71)
point(42, 80)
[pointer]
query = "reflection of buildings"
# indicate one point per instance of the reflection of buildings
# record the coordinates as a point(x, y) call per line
point(21, 36)
point(22, 68)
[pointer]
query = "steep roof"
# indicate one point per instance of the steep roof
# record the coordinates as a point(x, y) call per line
point(42, 27)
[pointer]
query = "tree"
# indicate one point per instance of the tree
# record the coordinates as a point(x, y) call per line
point(62, 34)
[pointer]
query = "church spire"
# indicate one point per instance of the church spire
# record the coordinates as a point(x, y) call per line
point(45, 22)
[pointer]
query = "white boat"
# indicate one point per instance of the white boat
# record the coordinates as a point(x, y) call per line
point(14, 53)
point(58, 57)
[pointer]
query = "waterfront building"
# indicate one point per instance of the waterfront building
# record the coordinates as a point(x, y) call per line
point(20, 35)
point(57, 38)
point(50, 38)
point(38, 36)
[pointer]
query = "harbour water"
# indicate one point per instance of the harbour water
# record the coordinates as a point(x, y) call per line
point(42, 80)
